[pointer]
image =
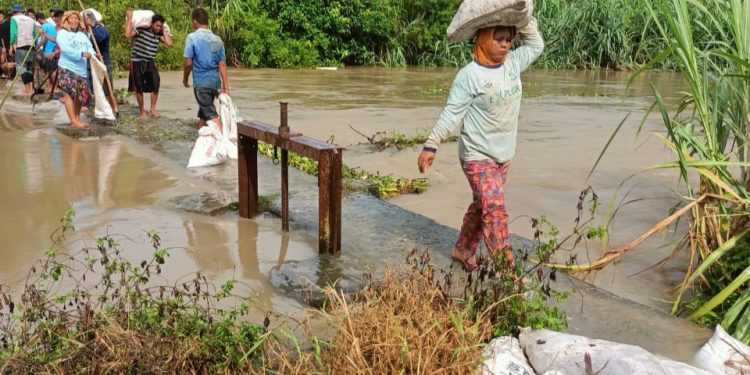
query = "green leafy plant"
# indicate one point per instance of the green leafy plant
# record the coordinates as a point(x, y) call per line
point(96, 309)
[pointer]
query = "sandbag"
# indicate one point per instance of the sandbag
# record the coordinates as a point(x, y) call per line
point(723, 354)
point(229, 119)
point(563, 353)
point(141, 18)
point(473, 15)
point(210, 147)
point(505, 357)
point(102, 109)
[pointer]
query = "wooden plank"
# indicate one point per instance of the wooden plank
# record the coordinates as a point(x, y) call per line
point(324, 210)
point(299, 144)
point(247, 165)
point(285, 190)
point(337, 187)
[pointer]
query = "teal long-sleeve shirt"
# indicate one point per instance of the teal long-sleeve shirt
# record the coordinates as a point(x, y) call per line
point(485, 103)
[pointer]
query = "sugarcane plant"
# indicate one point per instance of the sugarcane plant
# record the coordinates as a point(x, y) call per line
point(707, 131)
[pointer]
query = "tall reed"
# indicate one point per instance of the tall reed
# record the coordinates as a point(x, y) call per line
point(707, 132)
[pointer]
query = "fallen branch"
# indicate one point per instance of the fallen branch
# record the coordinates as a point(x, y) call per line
point(612, 255)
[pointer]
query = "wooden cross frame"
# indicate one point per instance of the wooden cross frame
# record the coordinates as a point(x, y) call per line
point(330, 163)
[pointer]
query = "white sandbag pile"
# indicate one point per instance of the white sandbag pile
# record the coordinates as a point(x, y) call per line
point(473, 15)
point(551, 352)
point(723, 354)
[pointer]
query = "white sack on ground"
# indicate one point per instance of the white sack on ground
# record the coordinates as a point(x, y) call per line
point(210, 147)
point(102, 109)
point(473, 15)
point(554, 351)
point(229, 119)
point(723, 354)
point(505, 357)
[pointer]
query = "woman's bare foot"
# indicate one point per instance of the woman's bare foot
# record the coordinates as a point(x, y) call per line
point(154, 114)
point(79, 125)
point(144, 116)
point(468, 261)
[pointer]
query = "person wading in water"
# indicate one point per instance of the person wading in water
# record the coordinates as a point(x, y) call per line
point(144, 74)
point(484, 102)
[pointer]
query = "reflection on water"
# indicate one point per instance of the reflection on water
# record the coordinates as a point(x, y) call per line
point(116, 192)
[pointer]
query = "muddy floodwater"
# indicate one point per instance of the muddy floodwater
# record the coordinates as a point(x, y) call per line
point(566, 120)
point(118, 186)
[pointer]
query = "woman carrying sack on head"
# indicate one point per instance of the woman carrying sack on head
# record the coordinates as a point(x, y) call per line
point(485, 101)
point(75, 50)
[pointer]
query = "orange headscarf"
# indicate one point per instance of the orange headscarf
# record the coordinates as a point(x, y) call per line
point(483, 45)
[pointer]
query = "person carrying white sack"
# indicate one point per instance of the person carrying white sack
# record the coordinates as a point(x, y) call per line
point(485, 101)
point(206, 59)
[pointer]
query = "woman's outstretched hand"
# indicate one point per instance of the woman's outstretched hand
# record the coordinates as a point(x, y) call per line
point(425, 160)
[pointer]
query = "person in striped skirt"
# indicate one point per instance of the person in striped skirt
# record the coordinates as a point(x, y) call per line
point(144, 74)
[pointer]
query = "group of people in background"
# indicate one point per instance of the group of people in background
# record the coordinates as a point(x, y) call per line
point(62, 44)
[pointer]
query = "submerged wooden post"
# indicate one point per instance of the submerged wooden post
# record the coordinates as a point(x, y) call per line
point(247, 166)
point(330, 164)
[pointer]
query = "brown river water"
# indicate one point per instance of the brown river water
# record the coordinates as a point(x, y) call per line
point(120, 186)
point(565, 123)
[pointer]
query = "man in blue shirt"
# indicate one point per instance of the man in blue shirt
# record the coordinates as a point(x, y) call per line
point(206, 58)
point(51, 52)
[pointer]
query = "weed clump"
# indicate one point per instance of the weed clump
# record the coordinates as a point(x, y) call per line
point(411, 321)
point(96, 312)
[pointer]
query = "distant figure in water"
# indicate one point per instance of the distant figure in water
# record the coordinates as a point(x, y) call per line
point(75, 51)
point(485, 101)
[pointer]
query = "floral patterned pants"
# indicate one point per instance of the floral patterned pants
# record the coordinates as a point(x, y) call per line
point(486, 217)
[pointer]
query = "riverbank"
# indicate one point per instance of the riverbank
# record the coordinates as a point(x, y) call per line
point(365, 239)
point(375, 232)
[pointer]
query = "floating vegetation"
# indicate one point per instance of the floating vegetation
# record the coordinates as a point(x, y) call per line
point(393, 138)
point(381, 186)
